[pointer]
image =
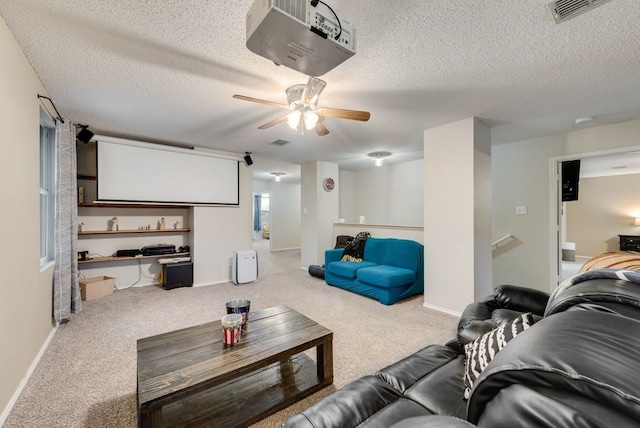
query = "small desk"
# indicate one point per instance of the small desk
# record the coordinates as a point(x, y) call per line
point(629, 242)
point(189, 378)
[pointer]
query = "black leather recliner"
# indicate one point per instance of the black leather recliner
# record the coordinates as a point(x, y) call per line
point(506, 303)
point(574, 367)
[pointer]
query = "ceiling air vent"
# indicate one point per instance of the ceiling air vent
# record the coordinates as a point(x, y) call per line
point(279, 142)
point(567, 9)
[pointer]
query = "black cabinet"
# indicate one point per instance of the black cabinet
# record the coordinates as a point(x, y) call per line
point(629, 242)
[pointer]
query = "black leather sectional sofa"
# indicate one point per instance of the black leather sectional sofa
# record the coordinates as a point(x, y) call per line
point(578, 365)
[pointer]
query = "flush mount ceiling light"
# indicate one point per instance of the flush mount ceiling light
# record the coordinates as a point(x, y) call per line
point(379, 157)
point(583, 120)
point(278, 175)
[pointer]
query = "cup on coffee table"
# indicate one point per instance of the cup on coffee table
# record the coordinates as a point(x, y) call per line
point(231, 328)
point(239, 306)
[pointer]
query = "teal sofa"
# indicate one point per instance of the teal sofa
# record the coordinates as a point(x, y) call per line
point(391, 270)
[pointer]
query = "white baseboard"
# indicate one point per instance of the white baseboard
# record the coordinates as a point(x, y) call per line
point(202, 284)
point(23, 382)
point(441, 309)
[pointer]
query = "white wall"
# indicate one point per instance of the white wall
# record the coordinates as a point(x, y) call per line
point(217, 232)
point(388, 195)
point(457, 214)
point(285, 218)
point(319, 211)
point(521, 176)
point(25, 308)
point(347, 199)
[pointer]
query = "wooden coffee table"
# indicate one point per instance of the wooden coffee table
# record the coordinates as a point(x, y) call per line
point(189, 378)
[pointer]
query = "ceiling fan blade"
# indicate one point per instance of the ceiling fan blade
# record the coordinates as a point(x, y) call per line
point(273, 122)
point(321, 130)
point(345, 114)
point(258, 100)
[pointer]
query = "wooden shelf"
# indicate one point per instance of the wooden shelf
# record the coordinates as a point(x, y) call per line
point(116, 205)
point(87, 177)
point(115, 232)
point(119, 259)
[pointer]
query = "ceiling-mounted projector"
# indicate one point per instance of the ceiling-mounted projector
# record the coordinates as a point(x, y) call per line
point(305, 35)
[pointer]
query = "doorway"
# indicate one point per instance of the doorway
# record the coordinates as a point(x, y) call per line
point(261, 216)
point(594, 165)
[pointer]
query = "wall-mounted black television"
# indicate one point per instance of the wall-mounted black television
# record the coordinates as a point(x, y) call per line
point(570, 180)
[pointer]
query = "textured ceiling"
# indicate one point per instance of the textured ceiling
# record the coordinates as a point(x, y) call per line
point(166, 71)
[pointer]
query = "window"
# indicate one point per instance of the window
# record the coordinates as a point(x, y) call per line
point(47, 187)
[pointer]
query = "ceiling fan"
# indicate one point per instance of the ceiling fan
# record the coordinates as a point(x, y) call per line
point(304, 114)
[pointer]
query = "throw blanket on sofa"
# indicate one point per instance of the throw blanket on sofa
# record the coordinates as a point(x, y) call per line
point(354, 250)
point(613, 260)
point(625, 275)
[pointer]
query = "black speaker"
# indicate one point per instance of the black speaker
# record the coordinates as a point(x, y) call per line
point(570, 179)
point(176, 275)
point(84, 136)
point(247, 159)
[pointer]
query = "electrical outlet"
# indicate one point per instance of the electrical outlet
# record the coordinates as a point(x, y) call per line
point(521, 209)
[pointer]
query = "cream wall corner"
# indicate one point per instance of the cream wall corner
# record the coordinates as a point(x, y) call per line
point(26, 306)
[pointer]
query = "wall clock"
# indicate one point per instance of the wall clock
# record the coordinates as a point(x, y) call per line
point(328, 184)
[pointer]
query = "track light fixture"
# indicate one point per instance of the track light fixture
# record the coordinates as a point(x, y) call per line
point(84, 136)
point(247, 159)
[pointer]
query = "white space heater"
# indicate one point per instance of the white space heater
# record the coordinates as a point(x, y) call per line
point(244, 267)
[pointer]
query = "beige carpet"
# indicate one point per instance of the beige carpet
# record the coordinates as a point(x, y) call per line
point(87, 376)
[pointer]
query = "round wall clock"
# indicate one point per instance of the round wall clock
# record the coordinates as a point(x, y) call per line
point(328, 184)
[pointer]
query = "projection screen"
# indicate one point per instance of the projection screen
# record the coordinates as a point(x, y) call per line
point(133, 171)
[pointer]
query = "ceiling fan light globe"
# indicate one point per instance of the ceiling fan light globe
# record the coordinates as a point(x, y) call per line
point(294, 94)
point(310, 119)
point(293, 119)
point(312, 91)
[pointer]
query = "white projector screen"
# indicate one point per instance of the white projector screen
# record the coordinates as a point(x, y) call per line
point(131, 171)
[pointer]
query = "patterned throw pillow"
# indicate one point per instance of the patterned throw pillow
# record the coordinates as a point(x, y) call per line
point(481, 351)
point(354, 250)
